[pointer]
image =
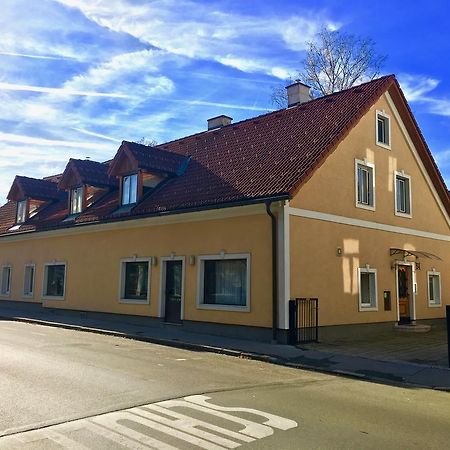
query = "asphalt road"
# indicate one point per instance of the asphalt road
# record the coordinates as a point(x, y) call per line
point(69, 389)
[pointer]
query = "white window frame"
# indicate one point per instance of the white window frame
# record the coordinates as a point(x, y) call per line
point(29, 294)
point(129, 199)
point(396, 211)
point(388, 119)
point(45, 279)
point(361, 306)
point(122, 273)
point(201, 280)
point(23, 217)
point(76, 207)
point(360, 162)
point(8, 292)
point(432, 304)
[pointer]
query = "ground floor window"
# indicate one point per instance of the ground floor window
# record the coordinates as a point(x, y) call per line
point(434, 289)
point(54, 281)
point(28, 281)
point(135, 280)
point(224, 281)
point(367, 289)
point(6, 281)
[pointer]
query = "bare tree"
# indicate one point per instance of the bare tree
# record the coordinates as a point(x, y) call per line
point(335, 61)
point(147, 141)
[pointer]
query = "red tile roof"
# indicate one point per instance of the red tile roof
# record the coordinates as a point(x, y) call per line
point(87, 172)
point(33, 188)
point(148, 158)
point(269, 156)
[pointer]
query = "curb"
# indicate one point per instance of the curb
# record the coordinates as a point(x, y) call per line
point(175, 343)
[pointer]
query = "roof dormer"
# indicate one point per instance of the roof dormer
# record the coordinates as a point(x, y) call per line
point(85, 181)
point(140, 168)
point(30, 195)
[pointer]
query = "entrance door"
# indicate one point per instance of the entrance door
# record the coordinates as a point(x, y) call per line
point(173, 290)
point(404, 293)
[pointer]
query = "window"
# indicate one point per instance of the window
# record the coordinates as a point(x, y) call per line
point(365, 185)
point(21, 211)
point(54, 281)
point(76, 200)
point(367, 289)
point(135, 280)
point(28, 281)
point(402, 195)
point(224, 282)
point(129, 189)
point(434, 289)
point(383, 129)
point(6, 281)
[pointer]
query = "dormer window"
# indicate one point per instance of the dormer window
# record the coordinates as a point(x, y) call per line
point(76, 200)
point(21, 211)
point(129, 189)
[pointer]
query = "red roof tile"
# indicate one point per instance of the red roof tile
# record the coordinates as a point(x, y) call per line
point(34, 188)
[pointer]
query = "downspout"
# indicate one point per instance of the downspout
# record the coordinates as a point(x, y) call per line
point(274, 272)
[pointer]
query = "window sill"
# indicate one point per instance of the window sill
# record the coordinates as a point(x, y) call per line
point(367, 308)
point(385, 146)
point(131, 301)
point(405, 215)
point(28, 297)
point(434, 305)
point(52, 297)
point(366, 207)
point(5, 295)
point(231, 308)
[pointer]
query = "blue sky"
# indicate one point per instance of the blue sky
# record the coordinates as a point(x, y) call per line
point(79, 76)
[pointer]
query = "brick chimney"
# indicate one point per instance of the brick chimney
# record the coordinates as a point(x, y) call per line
point(298, 92)
point(219, 122)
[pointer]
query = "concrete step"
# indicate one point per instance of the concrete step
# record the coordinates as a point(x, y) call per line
point(412, 328)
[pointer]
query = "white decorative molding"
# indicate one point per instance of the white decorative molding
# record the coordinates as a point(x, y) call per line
point(366, 224)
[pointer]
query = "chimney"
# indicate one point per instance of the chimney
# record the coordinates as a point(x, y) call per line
point(219, 122)
point(298, 93)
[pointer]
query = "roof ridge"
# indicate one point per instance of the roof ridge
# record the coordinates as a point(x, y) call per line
point(277, 111)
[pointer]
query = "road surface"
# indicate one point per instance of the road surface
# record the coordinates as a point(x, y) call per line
point(70, 389)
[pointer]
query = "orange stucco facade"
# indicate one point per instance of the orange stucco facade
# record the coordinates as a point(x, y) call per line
point(325, 238)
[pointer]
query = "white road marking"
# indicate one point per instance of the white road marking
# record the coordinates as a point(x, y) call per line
point(120, 427)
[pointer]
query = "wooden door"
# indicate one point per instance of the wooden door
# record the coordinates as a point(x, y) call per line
point(404, 294)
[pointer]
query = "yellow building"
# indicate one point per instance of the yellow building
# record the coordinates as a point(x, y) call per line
point(337, 198)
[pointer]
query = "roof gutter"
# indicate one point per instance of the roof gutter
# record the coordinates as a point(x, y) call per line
point(274, 271)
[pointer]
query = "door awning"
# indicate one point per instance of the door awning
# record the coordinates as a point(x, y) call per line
point(418, 254)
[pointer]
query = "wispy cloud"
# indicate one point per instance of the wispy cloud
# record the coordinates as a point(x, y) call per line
point(58, 91)
point(415, 87)
point(32, 140)
point(202, 31)
point(46, 57)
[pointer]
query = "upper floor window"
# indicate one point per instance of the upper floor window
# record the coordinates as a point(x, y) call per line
point(402, 194)
point(365, 184)
point(76, 200)
point(129, 189)
point(21, 211)
point(383, 129)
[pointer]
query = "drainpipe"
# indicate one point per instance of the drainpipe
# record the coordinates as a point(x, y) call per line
point(274, 273)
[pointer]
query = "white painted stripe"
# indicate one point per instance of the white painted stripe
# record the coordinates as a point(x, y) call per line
point(305, 213)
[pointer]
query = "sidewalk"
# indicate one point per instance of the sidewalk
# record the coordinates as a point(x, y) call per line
point(386, 371)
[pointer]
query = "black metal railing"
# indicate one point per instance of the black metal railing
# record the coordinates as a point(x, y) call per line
point(303, 320)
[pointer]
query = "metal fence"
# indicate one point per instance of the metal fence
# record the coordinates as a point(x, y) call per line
point(303, 320)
